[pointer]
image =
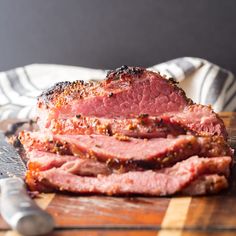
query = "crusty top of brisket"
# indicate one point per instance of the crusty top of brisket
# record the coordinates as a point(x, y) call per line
point(117, 80)
point(121, 95)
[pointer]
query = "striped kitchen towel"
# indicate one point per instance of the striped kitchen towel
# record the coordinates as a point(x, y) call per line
point(202, 81)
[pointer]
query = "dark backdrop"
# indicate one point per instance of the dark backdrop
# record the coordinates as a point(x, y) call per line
point(108, 33)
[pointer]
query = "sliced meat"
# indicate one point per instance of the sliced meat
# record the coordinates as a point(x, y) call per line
point(124, 93)
point(140, 127)
point(86, 167)
point(121, 150)
point(156, 183)
point(127, 92)
point(41, 161)
point(206, 184)
point(199, 119)
point(133, 133)
point(206, 123)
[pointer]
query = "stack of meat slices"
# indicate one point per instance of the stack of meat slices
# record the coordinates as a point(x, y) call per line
point(133, 133)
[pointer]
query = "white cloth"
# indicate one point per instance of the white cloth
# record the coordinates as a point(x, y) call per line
point(202, 81)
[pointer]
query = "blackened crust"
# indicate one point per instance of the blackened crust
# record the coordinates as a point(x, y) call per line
point(62, 91)
point(49, 95)
point(125, 70)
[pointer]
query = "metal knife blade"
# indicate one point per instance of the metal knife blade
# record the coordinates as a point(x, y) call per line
point(11, 164)
point(17, 208)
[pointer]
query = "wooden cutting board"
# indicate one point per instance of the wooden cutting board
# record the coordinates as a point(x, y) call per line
point(165, 216)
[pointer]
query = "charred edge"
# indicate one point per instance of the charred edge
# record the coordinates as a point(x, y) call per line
point(125, 70)
point(50, 93)
point(58, 89)
point(173, 80)
point(110, 95)
point(181, 92)
point(133, 165)
point(143, 115)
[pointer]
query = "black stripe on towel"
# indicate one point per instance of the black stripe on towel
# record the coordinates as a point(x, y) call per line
point(216, 87)
point(28, 79)
point(170, 73)
point(186, 66)
point(230, 85)
point(231, 98)
point(15, 83)
point(203, 82)
point(4, 94)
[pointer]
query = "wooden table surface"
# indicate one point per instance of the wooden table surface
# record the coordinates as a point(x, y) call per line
point(136, 216)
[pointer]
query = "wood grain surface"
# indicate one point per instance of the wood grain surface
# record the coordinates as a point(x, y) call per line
point(163, 216)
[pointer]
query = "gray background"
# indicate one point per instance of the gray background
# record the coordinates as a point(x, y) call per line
point(108, 33)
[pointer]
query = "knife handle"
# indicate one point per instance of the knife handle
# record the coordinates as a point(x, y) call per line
point(20, 211)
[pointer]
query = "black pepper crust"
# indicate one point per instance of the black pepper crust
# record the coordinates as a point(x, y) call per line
point(125, 70)
point(62, 90)
point(57, 88)
point(128, 73)
point(173, 80)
